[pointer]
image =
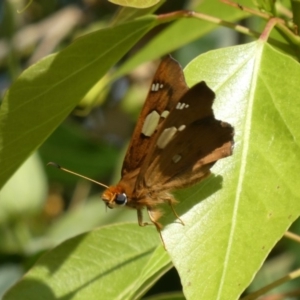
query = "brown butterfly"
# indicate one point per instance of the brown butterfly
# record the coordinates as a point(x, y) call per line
point(175, 143)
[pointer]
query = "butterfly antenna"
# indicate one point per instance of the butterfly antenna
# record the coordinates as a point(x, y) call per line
point(74, 173)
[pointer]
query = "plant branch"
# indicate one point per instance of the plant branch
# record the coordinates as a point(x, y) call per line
point(236, 27)
point(283, 10)
point(292, 236)
point(247, 9)
point(191, 14)
point(280, 23)
point(267, 288)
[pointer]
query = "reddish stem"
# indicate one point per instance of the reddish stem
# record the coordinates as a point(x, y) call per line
point(270, 25)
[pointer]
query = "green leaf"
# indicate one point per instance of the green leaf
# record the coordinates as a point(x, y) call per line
point(45, 94)
point(114, 262)
point(135, 3)
point(131, 13)
point(254, 197)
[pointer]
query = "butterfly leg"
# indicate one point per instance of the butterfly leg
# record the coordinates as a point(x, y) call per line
point(170, 201)
point(140, 218)
point(153, 220)
point(158, 226)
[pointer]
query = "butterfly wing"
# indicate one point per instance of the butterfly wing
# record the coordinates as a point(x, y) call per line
point(190, 141)
point(167, 88)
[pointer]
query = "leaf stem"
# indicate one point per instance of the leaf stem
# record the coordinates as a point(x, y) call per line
point(292, 236)
point(267, 288)
point(282, 27)
point(268, 28)
point(168, 17)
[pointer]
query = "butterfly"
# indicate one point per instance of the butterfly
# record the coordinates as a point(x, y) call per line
point(174, 144)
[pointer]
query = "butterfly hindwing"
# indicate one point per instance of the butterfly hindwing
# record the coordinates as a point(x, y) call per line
point(184, 161)
point(189, 142)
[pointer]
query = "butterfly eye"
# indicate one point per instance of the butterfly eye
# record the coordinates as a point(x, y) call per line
point(121, 199)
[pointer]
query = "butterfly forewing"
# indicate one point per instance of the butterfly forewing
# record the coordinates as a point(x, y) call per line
point(195, 104)
point(167, 88)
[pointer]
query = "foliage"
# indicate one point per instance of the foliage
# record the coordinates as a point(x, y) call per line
point(233, 219)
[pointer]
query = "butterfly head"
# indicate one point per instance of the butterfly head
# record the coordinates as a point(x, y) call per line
point(113, 196)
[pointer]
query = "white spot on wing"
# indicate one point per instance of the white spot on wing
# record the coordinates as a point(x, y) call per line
point(150, 123)
point(182, 127)
point(161, 86)
point(166, 137)
point(155, 87)
point(182, 106)
point(176, 158)
point(165, 113)
point(178, 105)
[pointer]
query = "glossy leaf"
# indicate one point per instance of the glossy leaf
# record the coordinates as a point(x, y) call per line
point(254, 196)
point(127, 13)
point(114, 262)
point(45, 94)
point(135, 3)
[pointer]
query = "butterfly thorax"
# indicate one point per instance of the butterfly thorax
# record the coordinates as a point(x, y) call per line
point(126, 193)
